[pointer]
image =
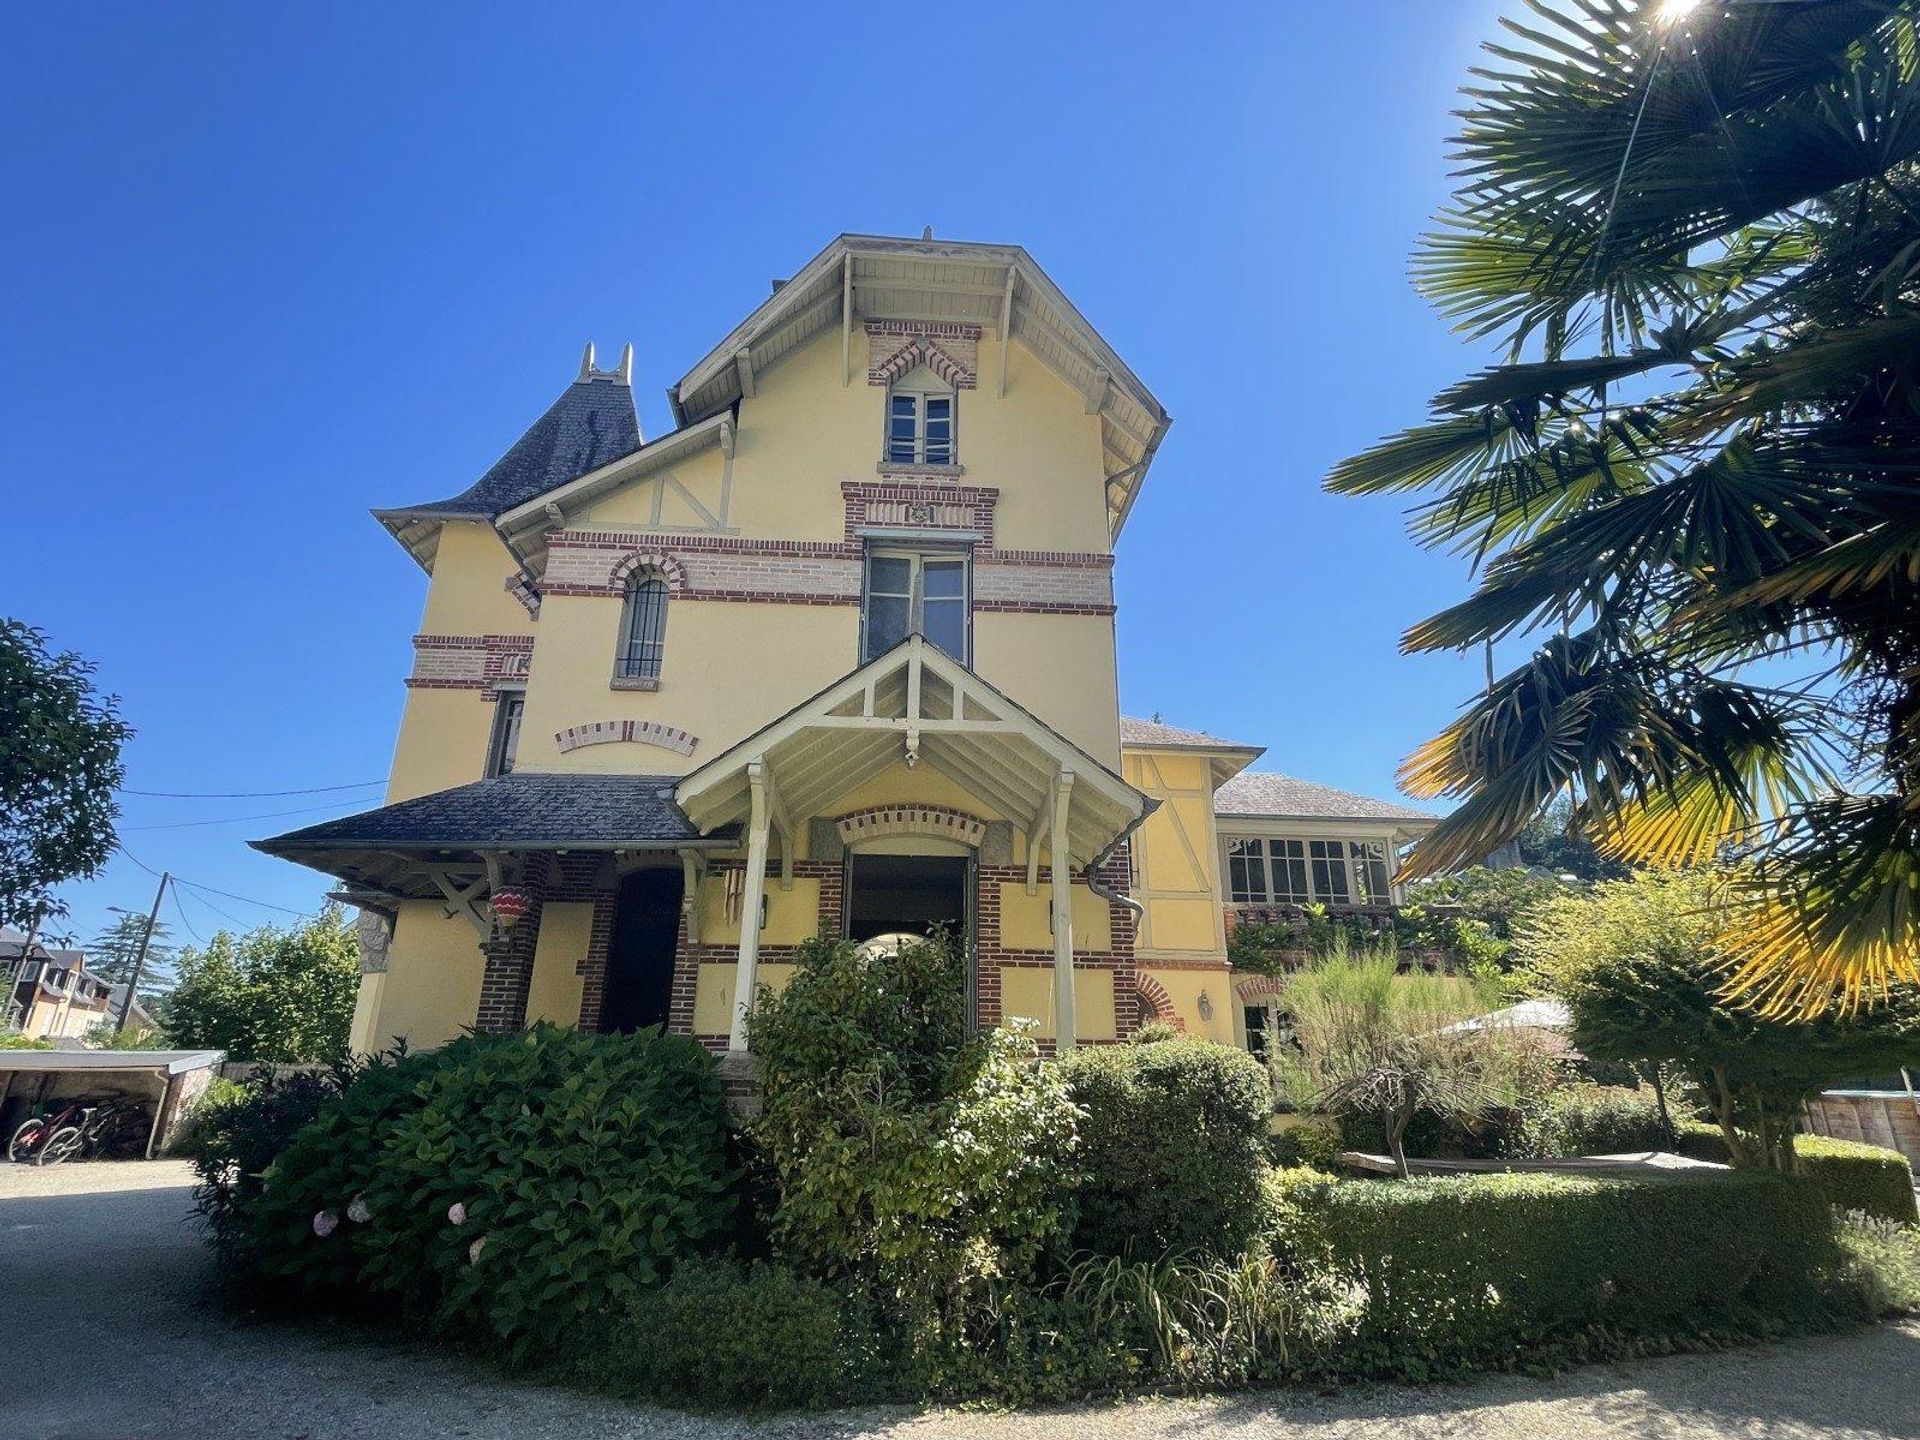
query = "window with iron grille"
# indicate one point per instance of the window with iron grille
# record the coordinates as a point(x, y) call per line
point(920, 429)
point(643, 630)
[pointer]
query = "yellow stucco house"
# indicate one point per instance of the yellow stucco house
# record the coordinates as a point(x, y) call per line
point(836, 653)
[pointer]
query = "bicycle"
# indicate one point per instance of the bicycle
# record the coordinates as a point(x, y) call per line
point(79, 1126)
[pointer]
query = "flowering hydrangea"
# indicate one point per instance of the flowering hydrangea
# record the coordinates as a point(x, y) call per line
point(358, 1211)
point(325, 1222)
point(473, 1250)
point(457, 1213)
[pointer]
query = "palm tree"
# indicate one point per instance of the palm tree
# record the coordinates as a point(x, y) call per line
point(1690, 486)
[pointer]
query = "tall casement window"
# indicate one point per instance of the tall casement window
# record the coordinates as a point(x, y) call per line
point(505, 739)
point(909, 590)
point(643, 630)
point(920, 421)
point(1299, 872)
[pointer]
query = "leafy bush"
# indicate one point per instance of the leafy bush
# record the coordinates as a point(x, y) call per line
point(233, 1135)
point(1852, 1176)
point(1174, 1143)
point(505, 1186)
point(1589, 1120)
point(14, 1040)
point(1312, 1142)
point(1524, 1270)
point(720, 1335)
point(907, 1157)
point(1882, 1263)
point(1641, 965)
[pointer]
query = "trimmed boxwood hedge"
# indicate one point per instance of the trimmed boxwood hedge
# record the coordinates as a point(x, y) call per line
point(1175, 1142)
point(1851, 1175)
point(1534, 1270)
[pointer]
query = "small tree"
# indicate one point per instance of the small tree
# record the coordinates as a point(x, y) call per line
point(270, 995)
point(1370, 1041)
point(1637, 964)
point(59, 766)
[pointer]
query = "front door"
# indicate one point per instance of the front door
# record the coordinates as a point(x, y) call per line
point(646, 925)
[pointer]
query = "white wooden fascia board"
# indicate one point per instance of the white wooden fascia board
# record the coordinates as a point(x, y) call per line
point(668, 448)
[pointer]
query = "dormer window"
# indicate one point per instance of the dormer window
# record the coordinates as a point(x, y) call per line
point(920, 420)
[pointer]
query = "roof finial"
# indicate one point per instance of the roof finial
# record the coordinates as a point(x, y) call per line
point(586, 362)
point(626, 364)
point(927, 234)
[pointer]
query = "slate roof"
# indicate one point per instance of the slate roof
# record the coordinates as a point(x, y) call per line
point(1152, 732)
point(1266, 794)
point(520, 811)
point(592, 424)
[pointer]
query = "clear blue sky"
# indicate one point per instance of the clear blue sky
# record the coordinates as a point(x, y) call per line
point(267, 266)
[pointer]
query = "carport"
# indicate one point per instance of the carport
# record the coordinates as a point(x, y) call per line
point(168, 1080)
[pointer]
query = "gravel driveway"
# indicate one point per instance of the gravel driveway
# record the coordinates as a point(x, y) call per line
point(104, 1279)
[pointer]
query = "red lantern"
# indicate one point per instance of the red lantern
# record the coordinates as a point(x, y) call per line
point(510, 903)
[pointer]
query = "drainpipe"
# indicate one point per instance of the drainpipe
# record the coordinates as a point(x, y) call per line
point(1127, 902)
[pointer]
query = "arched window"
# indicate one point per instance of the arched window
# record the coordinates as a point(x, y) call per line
point(643, 630)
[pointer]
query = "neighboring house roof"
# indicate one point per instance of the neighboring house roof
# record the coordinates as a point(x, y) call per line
point(592, 424)
point(519, 811)
point(997, 287)
point(1228, 757)
point(140, 1014)
point(1172, 737)
point(13, 944)
point(1264, 795)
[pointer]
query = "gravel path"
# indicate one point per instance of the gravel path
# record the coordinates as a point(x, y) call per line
point(104, 1287)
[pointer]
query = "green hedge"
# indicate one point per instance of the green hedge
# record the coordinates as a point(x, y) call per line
point(1852, 1176)
point(1536, 1270)
point(1174, 1143)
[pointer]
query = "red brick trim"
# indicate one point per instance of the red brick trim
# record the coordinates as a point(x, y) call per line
point(641, 561)
point(1258, 987)
point(1155, 1003)
point(940, 821)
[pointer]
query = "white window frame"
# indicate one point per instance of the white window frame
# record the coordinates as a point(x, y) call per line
point(918, 558)
point(1353, 853)
point(503, 736)
point(920, 395)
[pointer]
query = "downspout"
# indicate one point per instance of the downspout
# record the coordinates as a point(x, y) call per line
point(1091, 874)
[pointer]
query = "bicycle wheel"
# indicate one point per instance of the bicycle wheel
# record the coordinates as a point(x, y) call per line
point(27, 1139)
point(63, 1144)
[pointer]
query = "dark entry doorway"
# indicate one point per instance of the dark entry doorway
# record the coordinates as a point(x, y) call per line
point(646, 923)
point(906, 894)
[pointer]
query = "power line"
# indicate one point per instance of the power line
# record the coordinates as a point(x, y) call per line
point(181, 911)
point(243, 794)
point(224, 894)
point(223, 914)
point(234, 819)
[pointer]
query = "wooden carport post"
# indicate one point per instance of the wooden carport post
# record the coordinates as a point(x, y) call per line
point(1064, 1019)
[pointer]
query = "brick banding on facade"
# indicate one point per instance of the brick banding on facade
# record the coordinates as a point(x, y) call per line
point(613, 732)
point(469, 662)
point(1259, 987)
point(951, 350)
point(641, 562)
point(941, 822)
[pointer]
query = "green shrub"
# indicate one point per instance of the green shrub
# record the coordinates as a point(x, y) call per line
point(233, 1136)
point(1589, 1120)
point(1852, 1176)
point(506, 1187)
point(1312, 1141)
point(1882, 1264)
point(907, 1157)
point(14, 1040)
point(720, 1335)
point(1534, 1270)
point(1174, 1145)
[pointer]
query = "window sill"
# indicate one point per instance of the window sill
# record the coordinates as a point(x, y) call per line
point(634, 682)
point(935, 472)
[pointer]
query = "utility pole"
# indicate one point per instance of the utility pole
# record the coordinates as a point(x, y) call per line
point(140, 960)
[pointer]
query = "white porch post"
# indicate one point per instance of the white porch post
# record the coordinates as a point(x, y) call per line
point(744, 976)
point(1063, 1013)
